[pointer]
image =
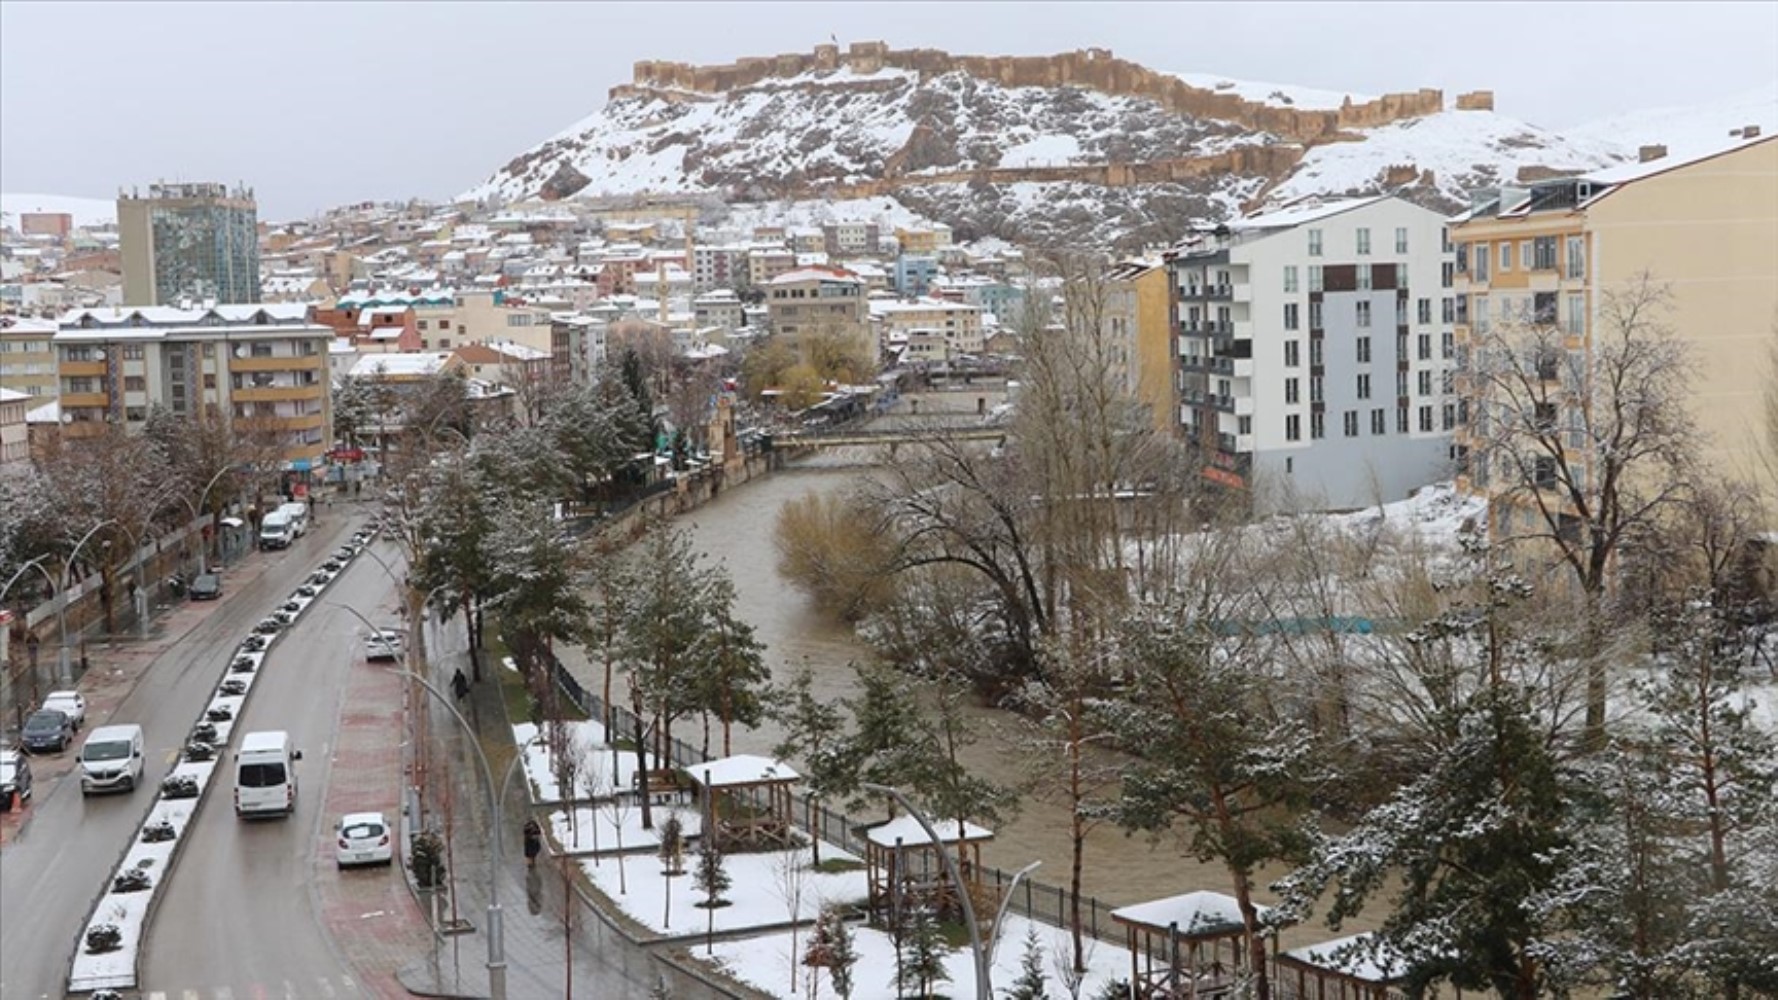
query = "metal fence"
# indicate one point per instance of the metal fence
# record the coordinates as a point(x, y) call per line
point(1038, 901)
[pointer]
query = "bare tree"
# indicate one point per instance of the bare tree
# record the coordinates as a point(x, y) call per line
point(595, 783)
point(793, 878)
point(1584, 442)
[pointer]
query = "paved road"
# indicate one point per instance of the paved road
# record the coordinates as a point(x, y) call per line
point(51, 873)
point(241, 917)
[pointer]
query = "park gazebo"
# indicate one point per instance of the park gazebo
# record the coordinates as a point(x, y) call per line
point(902, 864)
point(1349, 968)
point(746, 800)
point(1187, 946)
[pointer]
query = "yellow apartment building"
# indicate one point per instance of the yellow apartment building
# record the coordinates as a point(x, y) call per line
point(1137, 315)
point(1704, 224)
point(263, 367)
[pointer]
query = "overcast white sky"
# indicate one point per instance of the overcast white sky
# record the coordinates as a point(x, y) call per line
point(320, 104)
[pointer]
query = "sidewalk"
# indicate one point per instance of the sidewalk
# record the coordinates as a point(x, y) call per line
point(538, 957)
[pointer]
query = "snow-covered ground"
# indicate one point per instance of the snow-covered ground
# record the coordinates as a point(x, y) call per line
point(765, 963)
point(615, 768)
point(597, 830)
point(1681, 130)
point(1280, 95)
point(757, 894)
point(1042, 151)
point(86, 211)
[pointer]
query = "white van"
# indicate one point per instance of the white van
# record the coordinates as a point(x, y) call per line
point(298, 516)
point(275, 531)
point(111, 759)
point(265, 775)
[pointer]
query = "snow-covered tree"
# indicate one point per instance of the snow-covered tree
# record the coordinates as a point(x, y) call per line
point(842, 955)
point(1031, 983)
point(924, 965)
point(814, 733)
point(712, 879)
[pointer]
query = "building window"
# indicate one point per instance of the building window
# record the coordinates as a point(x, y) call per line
point(1447, 274)
point(1315, 353)
point(1401, 239)
point(1401, 420)
point(1314, 315)
point(1448, 310)
point(1450, 416)
point(1481, 314)
point(209, 381)
point(1291, 387)
point(1364, 243)
point(1291, 356)
point(1379, 422)
point(1425, 383)
point(1349, 422)
point(1364, 386)
point(1424, 310)
point(1314, 242)
point(1524, 255)
point(1364, 277)
point(1293, 427)
point(1424, 343)
point(1317, 426)
point(1315, 278)
point(261, 350)
point(1364, 350)
point(1447, 345)
point(1543, 253)
point(1315, 388)
point(1577, 257)
point(135, 383)
point(1506, 256)
point(1577, 313)
point(1244, 425)
point(1364, 315)
point(1401, 347)
point(1426, 419)
point(1290, 315)
point(1401, 312)
point(132, 352)
point(1290, 279)
point(1401, 383)
point(1481, 262)
point(421, 325)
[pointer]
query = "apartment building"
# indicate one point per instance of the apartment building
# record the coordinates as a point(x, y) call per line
point(923, 240)
point(914, 274)
point(817, 300)
point(764, 264)
point(719, 308)
point(15, 440)
point(1314, 348)
point(189, 242)
point(28, 357)
point(844, 238)
point(958, 324)
point(577, 347)
point(262, 367)
point(714, 267)
point(1138, 320)
point(1703, 223)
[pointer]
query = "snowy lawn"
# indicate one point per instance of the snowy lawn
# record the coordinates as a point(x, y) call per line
point(765, 962)
point(581, 838)
point(756, 893)
point(588, 739)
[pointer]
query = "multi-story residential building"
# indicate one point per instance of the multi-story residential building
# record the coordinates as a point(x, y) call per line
point(261, 367)
point(959, 324)
point(719, 308)
point(921, 240)
point(1313, 351)
point(817, 300)
point(28, 357)
point(577, 347)
point(914, 274)
point(1138, 319)
point(839, 238)
point(1704, 225)
point(715, 266)
point(766, 263)
point(15, 439)
point(189, 242)
point(58, 225)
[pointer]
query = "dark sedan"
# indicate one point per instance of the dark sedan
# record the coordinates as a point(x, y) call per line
point(207, 587)
point(47, 730)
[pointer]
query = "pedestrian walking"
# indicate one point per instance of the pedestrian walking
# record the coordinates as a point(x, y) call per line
point(459, 684)
point(533, 842)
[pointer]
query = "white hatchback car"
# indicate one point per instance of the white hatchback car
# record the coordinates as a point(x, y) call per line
point(69, 703)
point(363, 839)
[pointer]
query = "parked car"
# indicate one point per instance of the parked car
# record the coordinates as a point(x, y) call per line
point(207, 587)
point(70, 703)
point(15, 778)
point(363, 839)
point(47, 729)
point(384, 644)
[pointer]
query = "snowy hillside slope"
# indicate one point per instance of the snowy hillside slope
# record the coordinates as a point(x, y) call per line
point(1682, 130)
point(86, 211)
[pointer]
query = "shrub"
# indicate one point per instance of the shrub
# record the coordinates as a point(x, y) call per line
point(159, 832)
point(232, 689)
point(179, 786)
point(254, 644)
point(131, 880)
point(306, 590)
point(242, 665)
point(219, 713)
point(426, 860)
point(291, 607)
point(203, 732)
point(198, 752)
point(101, 938)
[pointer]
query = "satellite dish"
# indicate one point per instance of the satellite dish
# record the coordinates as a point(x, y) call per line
point(238, 349)
point(99, 355)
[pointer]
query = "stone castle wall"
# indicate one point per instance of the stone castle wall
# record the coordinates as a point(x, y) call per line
point(1269, 161)
point(1094, 69)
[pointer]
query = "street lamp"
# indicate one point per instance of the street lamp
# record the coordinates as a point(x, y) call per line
point(62, 599)
point(37, 564)
point(982, 989)
point(496, 919)
point(197, 509)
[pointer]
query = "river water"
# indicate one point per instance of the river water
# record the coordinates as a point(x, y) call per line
point(736, 528)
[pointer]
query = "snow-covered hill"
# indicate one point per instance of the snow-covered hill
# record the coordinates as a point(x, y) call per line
point(1060, 163)
point(86, 211)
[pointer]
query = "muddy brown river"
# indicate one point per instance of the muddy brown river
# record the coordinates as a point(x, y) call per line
point(736, 530)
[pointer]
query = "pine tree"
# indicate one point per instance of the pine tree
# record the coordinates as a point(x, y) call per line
point(711, 878)
point(924, 967)
point(842, 955)
point(1031, 984)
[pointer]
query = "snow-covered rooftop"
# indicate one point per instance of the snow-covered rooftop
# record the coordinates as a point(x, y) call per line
point(12, 395)
point(1196, 913)
point(420, 363)
point(1299, 215)
point(907, 830)
point(1356, 956)
point(741, 769)
point(816, 274)
point(1624, 173)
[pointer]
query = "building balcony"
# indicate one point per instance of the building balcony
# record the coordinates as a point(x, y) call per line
point(82, 369)
point(1242, 367)
point(76, 400)
point(277, 393)
point(304, 422)
point(1207, 293)
point(288, 363)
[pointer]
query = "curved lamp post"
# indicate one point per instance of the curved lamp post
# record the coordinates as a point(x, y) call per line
point(37, 564)
point(62, 598)
point(983, 990)
point(140, 601)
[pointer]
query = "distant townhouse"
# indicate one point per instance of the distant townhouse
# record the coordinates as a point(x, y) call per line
point(263, 367)
point(1314, 351)
point(1703, 223)
point(817, 300)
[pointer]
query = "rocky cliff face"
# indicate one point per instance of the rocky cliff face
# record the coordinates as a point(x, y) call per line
point(1081, 146)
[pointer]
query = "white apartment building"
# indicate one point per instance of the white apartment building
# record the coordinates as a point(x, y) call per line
point(714, 267)
point(1315, 346)
point(960, 325)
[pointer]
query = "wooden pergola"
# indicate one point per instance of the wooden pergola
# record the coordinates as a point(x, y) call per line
point(902, 864)
point(1188, 946)
point(1348, 968)
point(746, 802)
